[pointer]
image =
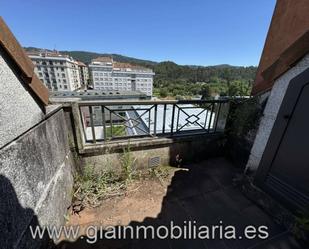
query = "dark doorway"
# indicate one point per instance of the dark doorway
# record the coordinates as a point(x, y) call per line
point(284, 169)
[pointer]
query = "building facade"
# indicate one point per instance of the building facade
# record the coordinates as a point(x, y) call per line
point(83, 73)
point(58, 72)
point(108, 75)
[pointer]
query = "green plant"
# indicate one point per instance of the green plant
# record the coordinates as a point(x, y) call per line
point(244, 117)
point(91, 186)
point(161, 173)
point(301, 228)
point(127, 164)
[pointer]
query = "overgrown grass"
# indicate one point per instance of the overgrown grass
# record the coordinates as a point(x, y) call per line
point(93, 185)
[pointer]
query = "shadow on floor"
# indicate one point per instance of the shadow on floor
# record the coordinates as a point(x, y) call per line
point(203, 195)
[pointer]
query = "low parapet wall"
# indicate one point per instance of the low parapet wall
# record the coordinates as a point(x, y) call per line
point(151, 152)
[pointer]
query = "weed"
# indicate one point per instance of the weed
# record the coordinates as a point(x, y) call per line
point(127, 164)
point(92, 186)
point(301, 228)
point(161, 173)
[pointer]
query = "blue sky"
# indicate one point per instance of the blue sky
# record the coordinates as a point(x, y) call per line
point(200, 32)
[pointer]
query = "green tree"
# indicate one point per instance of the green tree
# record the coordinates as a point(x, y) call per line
point(205, 91)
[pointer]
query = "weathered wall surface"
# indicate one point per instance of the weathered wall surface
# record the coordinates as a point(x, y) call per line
point(271, 111)
point(191, 149)
point(35, 181)
point(18, 110)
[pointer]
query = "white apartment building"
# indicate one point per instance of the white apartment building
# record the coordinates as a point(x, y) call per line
point(58, 72)
point(109, 75)
point(83, 73)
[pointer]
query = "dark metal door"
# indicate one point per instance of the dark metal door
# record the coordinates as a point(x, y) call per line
point(284, 168)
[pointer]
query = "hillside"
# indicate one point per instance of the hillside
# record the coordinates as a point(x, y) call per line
point(86, 57)
point(172, 79)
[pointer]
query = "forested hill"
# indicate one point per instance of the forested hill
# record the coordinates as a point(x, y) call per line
point(86, 57)
point(173, 79)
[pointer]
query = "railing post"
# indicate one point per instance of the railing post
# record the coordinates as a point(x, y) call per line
point(177, 119)
point(111, 122)
point(217, 118)
point(104, 122)
point(92, 124)
point(212, 110)
point(173, 115)
point(155, 120)
point(78, 126)
point(164, 117)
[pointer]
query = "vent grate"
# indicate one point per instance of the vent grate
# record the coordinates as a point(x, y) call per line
point(154, 161)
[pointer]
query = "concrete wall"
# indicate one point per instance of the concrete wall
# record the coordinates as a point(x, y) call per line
point(271, 110)
point(35, 181)
point(18, 110)
point(190, 149)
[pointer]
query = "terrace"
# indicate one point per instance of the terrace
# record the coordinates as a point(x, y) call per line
point(203, 186)
point(202, 193)
point(149, 162)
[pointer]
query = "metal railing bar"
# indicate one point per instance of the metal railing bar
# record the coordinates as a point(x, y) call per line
point(164, 118)
point(111, 122)
point(155, 120)
point(177, 119)
point(145, 102)
point(217, 118)
point(172, 123)
point(211, 112)
point(104, 122)
point(205, 123)
point(149, 120)
point(92, 124)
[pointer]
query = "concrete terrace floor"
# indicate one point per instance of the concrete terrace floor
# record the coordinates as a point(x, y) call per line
point(204, 193)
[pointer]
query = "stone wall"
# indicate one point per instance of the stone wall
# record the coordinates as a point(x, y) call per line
point(35, 181)
point(271, 111)
point(18, 110)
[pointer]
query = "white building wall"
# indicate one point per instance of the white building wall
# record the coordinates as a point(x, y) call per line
point(121, 79)
point(63, 74)
point(271, 111)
